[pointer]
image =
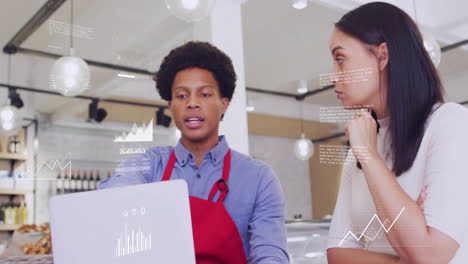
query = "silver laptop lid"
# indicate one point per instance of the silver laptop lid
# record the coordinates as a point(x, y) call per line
point(146, 223)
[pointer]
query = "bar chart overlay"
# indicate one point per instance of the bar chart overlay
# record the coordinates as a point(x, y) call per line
point(132, 242)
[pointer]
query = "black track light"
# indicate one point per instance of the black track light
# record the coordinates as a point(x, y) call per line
point(95, 113)
point(15, 98)
point(162, 119)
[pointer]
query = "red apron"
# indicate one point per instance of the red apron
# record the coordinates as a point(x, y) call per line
point(215, 234)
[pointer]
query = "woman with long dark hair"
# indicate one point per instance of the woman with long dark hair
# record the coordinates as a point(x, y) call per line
point(405, 201)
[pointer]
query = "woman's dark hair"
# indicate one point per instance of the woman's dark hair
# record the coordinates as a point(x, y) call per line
point(201, 55)
point(414, 85)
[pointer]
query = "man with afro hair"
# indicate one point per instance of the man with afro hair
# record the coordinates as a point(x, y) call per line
point(236, 202)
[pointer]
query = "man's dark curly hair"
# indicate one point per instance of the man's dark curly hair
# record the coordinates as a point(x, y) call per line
point(195, 54)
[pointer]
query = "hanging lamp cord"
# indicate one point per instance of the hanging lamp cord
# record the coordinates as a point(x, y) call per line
point(302, 118)
point(71, 25)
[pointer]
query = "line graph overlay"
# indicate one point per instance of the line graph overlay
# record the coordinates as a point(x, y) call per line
point(52, 164)
point(358, 236)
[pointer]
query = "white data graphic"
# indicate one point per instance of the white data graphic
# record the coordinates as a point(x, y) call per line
point(132, 242)
point(137, 134)
point(358, 236)
point(132, 150)
point(48, 166)
point(57, 164)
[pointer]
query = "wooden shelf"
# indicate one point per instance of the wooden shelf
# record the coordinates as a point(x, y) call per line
point(12, 156)
point(9, 227)
point(14, 192)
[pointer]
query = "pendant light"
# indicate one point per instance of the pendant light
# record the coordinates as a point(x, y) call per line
point(302, 89)
point(303, 147)
point(70, 74)
point(190, 10)
point(250, 107)
point(9, 118)
point(430, 43)
point(9, 115)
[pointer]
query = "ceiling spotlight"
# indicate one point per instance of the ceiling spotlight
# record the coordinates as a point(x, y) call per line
point(125, 75)
point(15, 98)
point(190, 10)
point(299, 4)
point(302, 89)
point(95, 113)
point(162, 119)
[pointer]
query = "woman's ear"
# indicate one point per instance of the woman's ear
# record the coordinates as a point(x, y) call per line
point(382, 56)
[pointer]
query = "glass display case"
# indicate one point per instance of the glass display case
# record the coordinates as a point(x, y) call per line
point(307, 241)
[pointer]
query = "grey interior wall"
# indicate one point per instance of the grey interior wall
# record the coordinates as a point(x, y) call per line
point(293, 174)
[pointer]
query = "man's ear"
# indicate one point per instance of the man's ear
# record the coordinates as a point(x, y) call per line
point(382, 56)
point(225, 102)
point(169, 104)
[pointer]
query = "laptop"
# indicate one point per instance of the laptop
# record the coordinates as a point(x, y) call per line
point(145, 223)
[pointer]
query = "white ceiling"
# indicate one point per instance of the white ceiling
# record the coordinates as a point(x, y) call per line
point(281, 44)
point(131, 33)
point(285, 45)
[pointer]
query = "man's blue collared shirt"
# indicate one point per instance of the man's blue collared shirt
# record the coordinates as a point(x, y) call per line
point(255, 200)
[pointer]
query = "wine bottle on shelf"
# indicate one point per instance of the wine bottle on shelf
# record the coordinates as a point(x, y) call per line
point(18, 210)
point(92, 181)
point(66, 182)
point(79, 183)
point(85, 184)
point(98, 180)
point(109, 174)
point(59, 182)
point(16, 217)
point(72, 182)
point(13, 214)
point(19, 214)
point(7, 214)
point(2, 214)
point(14, 145)
point(23, 213)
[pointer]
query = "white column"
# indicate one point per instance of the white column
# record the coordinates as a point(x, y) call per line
point(224, 30)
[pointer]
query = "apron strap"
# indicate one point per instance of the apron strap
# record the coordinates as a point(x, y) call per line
point(169, 167)
point(221, 184)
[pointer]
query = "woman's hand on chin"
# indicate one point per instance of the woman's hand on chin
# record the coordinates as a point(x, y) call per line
point(362, 134)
